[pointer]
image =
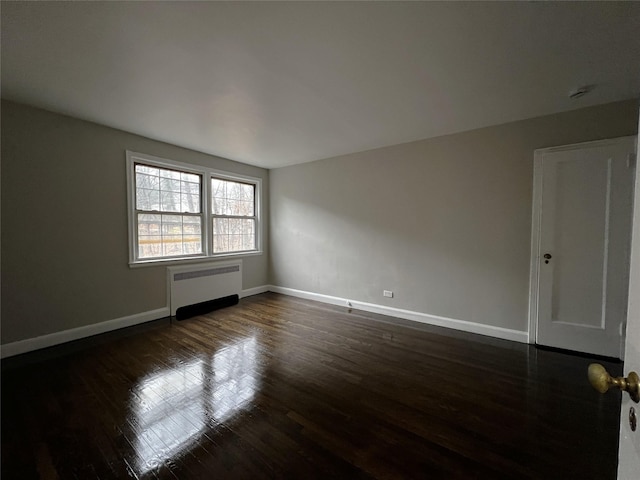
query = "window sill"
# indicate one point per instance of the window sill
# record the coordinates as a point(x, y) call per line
point(187, 260)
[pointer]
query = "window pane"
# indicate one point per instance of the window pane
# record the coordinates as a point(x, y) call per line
point(169, 174)
point(189, 203)
point(190, 187)
point(168, 235)
point(234, 191)
point(169, 185)
point(191, 226)
point(246, 208)
point(220, 206)
point(219, 196)
point(149, 246)
point(233, 235)
point(217, 187)
point(169, 202)
point(148, 224)
point(171, 224)
point(248, 192)
point(148, 170)
point(147, 181)
point(232, 198)
point(172, 245)
point(192, 245)
point(190, 177)
point(232, 207)
point(147, 199)
point(163, 190)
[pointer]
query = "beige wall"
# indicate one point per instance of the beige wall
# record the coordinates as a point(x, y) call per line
point(444, 223)
point(64, 224)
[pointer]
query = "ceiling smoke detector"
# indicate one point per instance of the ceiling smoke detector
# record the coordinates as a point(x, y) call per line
point(580, 91)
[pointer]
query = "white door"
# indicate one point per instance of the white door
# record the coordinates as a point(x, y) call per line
point(629, 456)
point(582, 238)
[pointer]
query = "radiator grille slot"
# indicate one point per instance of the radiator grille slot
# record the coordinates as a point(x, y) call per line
point(206, 273)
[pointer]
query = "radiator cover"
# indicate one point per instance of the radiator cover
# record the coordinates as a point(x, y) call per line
point(192, 284)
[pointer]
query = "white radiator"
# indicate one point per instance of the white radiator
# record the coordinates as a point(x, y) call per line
point(190, 284)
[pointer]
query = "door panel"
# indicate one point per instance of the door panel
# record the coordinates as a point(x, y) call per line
point(584, 240)
point(579, 230)
point(629, 452)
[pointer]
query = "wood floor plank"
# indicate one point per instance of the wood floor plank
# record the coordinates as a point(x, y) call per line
point(280, 387)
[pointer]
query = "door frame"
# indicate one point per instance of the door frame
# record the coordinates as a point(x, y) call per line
point(536, 223)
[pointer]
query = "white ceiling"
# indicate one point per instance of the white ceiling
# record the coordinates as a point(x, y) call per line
point(274, 84)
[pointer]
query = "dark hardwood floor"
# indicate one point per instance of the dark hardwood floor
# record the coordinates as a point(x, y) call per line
point(278, 387)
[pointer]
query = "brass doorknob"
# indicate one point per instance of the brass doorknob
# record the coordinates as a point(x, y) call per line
point(600, 379)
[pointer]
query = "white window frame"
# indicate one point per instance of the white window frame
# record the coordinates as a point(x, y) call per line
point(206, 211)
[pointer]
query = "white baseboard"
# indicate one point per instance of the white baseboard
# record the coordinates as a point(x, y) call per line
point(44, 341)
point(57, 338)
point(254, 291)
point(463, 325)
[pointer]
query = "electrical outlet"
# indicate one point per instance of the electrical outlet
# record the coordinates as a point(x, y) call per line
point(387, 293)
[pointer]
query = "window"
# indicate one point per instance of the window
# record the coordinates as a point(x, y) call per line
point(233, 212)
point(168, 211)
point(179, 211)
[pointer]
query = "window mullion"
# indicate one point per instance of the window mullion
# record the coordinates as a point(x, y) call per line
point(207, 233)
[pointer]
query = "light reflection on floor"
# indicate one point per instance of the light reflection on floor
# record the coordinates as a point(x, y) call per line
point(234, 381)
point(172, 407)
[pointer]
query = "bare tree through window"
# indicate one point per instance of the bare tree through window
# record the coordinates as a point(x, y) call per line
point(169, 212)
point(183, 211)
point(233, 216)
